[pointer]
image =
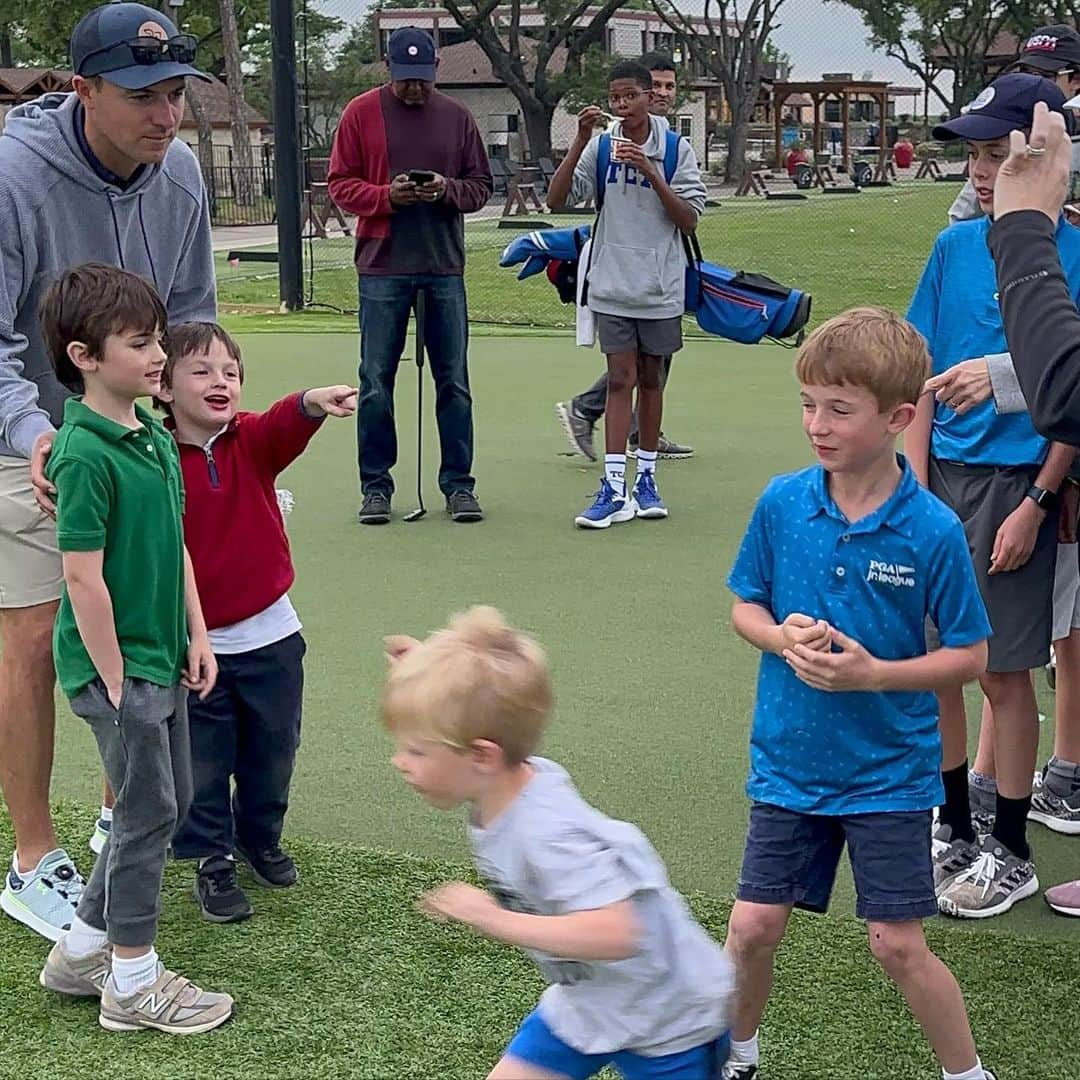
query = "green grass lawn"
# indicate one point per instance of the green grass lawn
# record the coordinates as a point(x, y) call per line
point(844, 249)
point(654, 692)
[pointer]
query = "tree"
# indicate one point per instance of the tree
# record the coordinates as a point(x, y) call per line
point(734, 49)
point(932, 36)
point(537, 63)
point(243, 174)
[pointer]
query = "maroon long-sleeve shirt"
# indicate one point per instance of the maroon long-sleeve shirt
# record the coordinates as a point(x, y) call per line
point(379, 137)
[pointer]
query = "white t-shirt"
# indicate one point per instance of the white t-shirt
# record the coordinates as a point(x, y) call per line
point(270, 625)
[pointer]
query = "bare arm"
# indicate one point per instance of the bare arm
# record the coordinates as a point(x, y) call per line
point(93, 609)
point(756, 624)
point(917, 439)
point(195, 621)
point(1059, 460)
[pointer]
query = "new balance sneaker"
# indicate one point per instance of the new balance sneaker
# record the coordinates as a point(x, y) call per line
point(738, 1070)
point(951, 857)
point(76, 976)
point(666, 448)
point(607, 509)
point(646, 499)
point(1052, 810)
point(99, 837)
point(170, 1003)
point(272, 868)
point(1065, 899)
point(577, 428)
point(220, 897)
point(44, 899)
point(463, 507)
point(376, 509)
point(996, 881)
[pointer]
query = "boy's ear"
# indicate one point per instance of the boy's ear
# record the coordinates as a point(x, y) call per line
point(397, 645)
point(164, 396)
point(901, 417)
point(79, 354)
point(487, 754)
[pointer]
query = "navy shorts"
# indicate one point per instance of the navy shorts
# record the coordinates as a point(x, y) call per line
point(536, 1044)
point(791, 858)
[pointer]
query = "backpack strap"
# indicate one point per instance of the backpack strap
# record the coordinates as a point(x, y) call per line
point(603, 163)
point(671, 154)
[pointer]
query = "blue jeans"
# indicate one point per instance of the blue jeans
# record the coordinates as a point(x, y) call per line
point(385, 304)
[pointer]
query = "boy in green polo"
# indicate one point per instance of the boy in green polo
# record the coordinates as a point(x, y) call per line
point(130, 640)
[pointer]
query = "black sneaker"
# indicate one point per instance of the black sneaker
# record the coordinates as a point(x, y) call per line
point(272, 868)
point(462, 506)
point(220, 898)
point(376, 509)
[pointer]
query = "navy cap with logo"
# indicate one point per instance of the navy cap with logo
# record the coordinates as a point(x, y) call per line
point(1007, 104)
point(132, 46)
point(1051, 49)
point(410, 54)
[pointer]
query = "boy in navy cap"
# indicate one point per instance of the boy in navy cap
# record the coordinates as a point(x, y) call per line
point(1002, 478)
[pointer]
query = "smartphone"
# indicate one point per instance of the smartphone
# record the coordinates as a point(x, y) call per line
point(421, 176)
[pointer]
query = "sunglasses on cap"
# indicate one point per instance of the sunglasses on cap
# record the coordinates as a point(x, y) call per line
point(143, 50)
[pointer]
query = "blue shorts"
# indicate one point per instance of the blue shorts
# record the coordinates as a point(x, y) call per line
point(536, 1044)
point(791, 858)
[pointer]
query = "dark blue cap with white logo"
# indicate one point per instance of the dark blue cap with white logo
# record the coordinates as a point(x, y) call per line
point(132, 46)
point(1007, 104)
point(410, 54)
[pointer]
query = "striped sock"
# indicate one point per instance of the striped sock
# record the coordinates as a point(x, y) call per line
point(615, 472)
point(646, 461)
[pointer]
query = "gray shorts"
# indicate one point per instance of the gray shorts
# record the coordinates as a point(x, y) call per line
point(1019, 603)
point(656, 337)
point(1066, 592)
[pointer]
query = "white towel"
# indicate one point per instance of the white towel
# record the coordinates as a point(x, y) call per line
point(586, 324)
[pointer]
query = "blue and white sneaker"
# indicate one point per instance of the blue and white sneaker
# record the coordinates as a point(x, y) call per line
point(46, 898)
point(608, 509)
point(100, 835)
point(646, 499)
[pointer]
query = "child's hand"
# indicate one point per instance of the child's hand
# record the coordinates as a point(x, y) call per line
point(397, 645)
point(459, 902)
point(852, 668)
point(587, 120)
point(201, 672)
point(330, 401)
point(632, 154)
point(799, 629)
point(1015, 540)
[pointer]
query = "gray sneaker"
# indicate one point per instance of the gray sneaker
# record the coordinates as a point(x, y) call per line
point(376, 509)
point(1052, 810)
point(996, 881)
point(46, 898)
point(951, 857)
point(171, 1003)
point(76, 976)
point(1065, 899)
point(667, 449)
point(577, 428)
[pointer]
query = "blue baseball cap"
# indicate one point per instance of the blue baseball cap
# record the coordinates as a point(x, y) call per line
point(410, 54)
point(118, 42)
point(1007, 104)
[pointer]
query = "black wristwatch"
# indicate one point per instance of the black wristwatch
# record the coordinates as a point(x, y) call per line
point(1043, 499)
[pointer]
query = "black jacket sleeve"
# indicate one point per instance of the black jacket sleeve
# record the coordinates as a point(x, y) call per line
point(1042, 325)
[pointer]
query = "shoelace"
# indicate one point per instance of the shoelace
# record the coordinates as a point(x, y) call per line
point(221, 881)
point(982, 871)
point(65, 880)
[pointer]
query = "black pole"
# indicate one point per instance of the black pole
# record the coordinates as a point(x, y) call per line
point(287, 155)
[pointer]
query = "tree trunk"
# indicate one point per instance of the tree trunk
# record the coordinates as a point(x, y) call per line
point(205, 149)
point(735, 166)
point(6, 60)
point(538, 117)
point(243, 176)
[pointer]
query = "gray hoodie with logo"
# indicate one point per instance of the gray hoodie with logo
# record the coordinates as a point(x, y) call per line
point(55, 213)
point(637, 266)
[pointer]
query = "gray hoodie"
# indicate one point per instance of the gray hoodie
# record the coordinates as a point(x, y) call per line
point(55, 213)
point(637, 267)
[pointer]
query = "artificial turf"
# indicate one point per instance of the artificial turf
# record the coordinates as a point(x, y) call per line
point(340, 977)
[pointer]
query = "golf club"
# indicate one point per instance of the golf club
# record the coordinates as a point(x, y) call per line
point(420, 511)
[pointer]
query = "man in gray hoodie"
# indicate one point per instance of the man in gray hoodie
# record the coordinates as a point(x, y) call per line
point(91, 176)
point(635, 276)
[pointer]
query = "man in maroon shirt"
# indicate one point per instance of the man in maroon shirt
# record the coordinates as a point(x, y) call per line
point(410, 238)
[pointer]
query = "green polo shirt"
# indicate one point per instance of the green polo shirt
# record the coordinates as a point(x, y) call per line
point(121, 490)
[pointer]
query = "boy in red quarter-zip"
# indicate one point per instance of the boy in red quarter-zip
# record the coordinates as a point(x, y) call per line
point(248, 729)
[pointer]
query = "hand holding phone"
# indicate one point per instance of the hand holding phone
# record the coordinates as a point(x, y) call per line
point(421, 176)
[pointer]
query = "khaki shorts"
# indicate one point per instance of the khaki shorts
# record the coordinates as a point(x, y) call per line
point(30, 568)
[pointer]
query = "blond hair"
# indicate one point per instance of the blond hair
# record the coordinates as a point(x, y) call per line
point(477, 679)
point(871, 348)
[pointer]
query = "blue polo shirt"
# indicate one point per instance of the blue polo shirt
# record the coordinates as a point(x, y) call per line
point(875, 580)
point(955, 307)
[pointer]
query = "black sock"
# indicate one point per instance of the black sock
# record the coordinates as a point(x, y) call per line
point(1010, 825)
point(956, 810)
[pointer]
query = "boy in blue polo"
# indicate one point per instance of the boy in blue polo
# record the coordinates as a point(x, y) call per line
point(1001, 478)
point(840, 567)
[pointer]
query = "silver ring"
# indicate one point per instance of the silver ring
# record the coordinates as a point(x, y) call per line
point(1036, 151)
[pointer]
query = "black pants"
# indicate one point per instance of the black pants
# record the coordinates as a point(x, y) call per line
point(248, 729)
point(592, 403)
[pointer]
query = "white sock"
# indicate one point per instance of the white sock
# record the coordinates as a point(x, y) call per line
point(615, 472)
point(646, 461)
point(106, 813)
point(745, 1053)
point(83, 939)
point(131, 975)
point(206, 858)
point(975, 1073)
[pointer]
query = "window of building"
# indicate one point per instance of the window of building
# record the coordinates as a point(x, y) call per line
point(686, 126)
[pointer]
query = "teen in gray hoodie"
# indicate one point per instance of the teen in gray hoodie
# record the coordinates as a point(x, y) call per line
point(636, 274)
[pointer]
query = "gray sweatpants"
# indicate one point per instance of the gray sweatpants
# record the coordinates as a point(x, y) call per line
point(146, 750)
point(593, 402)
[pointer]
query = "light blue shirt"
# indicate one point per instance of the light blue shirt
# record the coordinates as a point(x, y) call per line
point(876, 580)
point(955, 307)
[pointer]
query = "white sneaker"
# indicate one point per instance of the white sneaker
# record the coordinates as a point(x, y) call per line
point(44, 899)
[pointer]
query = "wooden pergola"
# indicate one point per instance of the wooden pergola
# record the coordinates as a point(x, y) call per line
point(24, 84)
point(843, 90)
